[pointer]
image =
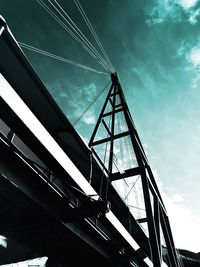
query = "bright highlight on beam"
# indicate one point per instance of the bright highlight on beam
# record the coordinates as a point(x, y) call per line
point(148, 262)
point(3, 241)
point(1, 30)
point(39, 262)
point(35, 126)
point(113, 219)
point(29, 119)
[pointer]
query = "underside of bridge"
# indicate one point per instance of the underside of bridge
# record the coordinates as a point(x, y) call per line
point(60, 198)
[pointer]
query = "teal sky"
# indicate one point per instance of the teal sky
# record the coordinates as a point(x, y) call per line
point(155, 48)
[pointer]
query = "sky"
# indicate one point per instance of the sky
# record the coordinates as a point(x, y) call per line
point(154, 46)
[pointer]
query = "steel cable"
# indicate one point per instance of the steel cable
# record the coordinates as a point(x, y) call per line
point(37, 50)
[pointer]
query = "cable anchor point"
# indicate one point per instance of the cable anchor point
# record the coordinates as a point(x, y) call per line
point(114, 78)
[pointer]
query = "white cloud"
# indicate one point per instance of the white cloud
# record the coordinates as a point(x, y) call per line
point(89, 118)
point(90, 92)
point(161, 10)
point(187, 3)
point(189, 8)
point(193, 56)
point(82, 102)
point(193, 17)
point(196, 81)
point(185, 225)
point(73, 105)
point(182, 50)
point(173, 10)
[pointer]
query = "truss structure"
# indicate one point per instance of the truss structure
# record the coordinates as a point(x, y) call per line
point(117, 146)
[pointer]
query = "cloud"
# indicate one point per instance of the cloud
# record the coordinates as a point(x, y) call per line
point(193, 17)
point(193, 56)
point(82, 104)
point(75, 98)
point(185, 225)
point(189, 9)
point(181, 50)
point(187, 3)
point(89, 118)
point(172, 10)
point(196, 80)
point(167, 10)
point(160, 11)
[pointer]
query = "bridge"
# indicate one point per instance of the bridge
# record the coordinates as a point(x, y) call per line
point(60, 197)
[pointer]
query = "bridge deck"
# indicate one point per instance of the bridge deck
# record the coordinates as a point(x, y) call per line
point(49, 228)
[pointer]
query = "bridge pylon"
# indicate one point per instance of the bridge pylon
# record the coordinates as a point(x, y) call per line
point(117, 146)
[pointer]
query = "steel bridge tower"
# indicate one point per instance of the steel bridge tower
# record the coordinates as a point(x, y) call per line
point(123, 158)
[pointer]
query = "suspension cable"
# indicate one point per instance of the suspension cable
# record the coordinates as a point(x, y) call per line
point(94, 100)
point(37, 50)
point(61, 23)
point(132, 187)
point(80, 8)
point(66, 28)
point(77, 30)
point(57, 19)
